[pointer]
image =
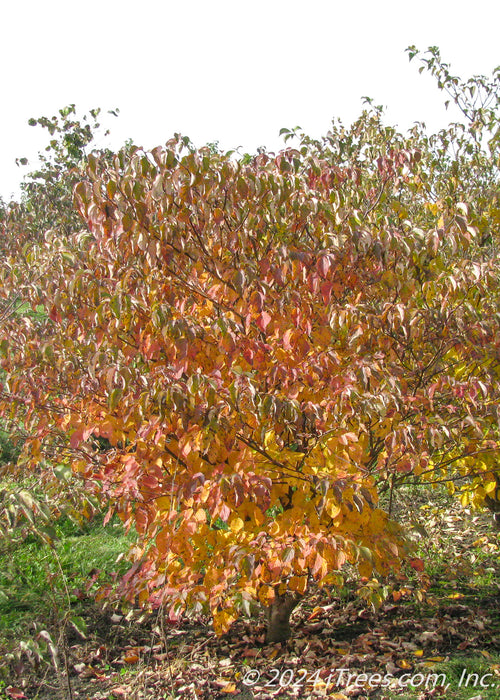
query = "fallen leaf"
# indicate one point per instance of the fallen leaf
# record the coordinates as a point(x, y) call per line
point(316, 611)
point(15, 692)
point(250, 653)
point(224, 686)
point(428, 637)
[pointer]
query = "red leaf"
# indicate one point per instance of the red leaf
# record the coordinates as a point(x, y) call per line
point(54, 315)
point(326, 291)
point(224, 512)
point(417, 564)
point(323, 265)
point(15, 692)
point(263, 320)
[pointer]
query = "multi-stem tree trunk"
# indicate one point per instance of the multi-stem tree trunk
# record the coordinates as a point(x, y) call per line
point(278, 617)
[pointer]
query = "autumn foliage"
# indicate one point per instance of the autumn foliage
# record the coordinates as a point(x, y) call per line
point(262, 344)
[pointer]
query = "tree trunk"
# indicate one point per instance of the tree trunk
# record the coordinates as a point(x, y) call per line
point(278, 617)
point(493, 505)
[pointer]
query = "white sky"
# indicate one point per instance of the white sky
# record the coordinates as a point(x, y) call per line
point(228, 70)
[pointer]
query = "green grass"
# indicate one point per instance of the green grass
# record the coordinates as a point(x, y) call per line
point(36, 580)
point(465, 676)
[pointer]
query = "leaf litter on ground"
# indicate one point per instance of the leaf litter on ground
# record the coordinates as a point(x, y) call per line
point(433, 617)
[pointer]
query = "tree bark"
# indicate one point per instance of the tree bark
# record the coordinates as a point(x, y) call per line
point(493, 505)
point(278, 617)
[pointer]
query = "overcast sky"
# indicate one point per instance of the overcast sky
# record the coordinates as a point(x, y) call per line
point(225, 70)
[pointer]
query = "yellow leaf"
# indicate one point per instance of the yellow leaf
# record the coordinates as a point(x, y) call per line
point(258, 515)
point(236, 524)
point(378, 521)
point(222, 621)
point(274, 528)
point(333, 510)
point(365, 569)
point(143, 596)
point(465, 499)
point(491, 487)
point(200, 516)
point(114, 398)
point(298, 583)
point(366, 553)
point(480, 541)
point(163, 503)
point(266, 594)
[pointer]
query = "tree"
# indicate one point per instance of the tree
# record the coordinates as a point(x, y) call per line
point(47, 192)
point(45, 211)
point(463, 160)
point(265, 344)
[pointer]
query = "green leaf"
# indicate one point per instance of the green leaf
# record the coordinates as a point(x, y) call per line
point(114, 398)
point(115, 305)
point(79, 625)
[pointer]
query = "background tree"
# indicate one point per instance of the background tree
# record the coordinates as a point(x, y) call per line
point(456, 179)
point(44, 213)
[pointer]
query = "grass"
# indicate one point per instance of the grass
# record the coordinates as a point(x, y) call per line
point(36, 579)
point(464, 677)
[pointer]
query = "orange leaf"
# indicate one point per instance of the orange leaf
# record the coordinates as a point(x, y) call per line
point(131, 658)
point(227, 687)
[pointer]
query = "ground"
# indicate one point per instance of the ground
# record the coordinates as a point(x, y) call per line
point(438, 630)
